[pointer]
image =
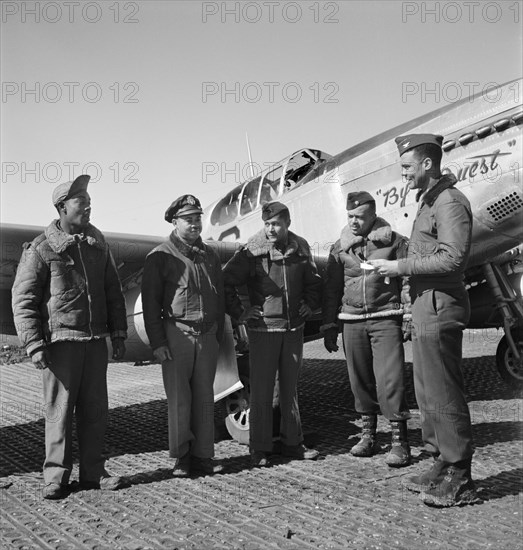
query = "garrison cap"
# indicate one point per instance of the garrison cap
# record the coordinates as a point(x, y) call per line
point(271, 209)
point(357, 198)
point(183, 206)
point(405, 143)
point(69, 189)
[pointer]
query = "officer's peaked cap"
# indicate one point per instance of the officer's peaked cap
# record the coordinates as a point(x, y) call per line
point(183, 206)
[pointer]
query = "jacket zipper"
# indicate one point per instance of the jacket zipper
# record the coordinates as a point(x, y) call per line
point(364, 278)
point(198, 280)
point(286, 291)
point(78, 244)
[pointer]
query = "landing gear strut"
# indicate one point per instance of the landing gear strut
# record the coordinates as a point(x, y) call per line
point(510, 367)
point(509, 355)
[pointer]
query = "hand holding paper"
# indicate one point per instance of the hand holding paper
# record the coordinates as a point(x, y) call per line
point(386, 268)
point(368, 267)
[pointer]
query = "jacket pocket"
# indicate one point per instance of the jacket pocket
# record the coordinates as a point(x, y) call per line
point(179, 303)
point(70, 310)
point(272, 307)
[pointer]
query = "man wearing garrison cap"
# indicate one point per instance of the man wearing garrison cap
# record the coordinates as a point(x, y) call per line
point(437, 256)
point(371, 311)
point(66, 299)
point(182, 297)
point(284, 289)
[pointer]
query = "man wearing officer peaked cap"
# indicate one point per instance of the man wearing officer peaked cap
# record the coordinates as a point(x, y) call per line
point(371, 311)
point(67, 298)
point(182, 296)
point(437, 256)
point(284, 288)
point(183, 206)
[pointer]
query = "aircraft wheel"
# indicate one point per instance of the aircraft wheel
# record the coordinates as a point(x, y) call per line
point(237, 405)
point(510, 370)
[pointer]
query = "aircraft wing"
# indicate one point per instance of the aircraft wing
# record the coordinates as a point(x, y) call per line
point(129, 252)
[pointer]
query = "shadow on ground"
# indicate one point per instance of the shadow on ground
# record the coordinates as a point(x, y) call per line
point(326, 405)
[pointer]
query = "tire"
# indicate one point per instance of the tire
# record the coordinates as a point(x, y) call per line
point(510, 370)
point(237, 409)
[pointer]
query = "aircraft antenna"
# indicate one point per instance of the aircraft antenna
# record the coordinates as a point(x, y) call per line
point(249, 153)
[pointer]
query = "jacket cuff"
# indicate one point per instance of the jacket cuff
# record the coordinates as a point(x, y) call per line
point(403, 267)
point(34, 346)
point(118, 334)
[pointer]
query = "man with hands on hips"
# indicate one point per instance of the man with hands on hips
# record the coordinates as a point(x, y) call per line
point(436, 259)
point(284, 288)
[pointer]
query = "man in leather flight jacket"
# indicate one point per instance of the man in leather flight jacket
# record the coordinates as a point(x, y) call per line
point(437, 255)
point(284, 288)
point(67, 298)
point(371, 310)
point(182, 296)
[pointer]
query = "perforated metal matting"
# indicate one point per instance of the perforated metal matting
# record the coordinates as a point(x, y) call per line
point(338, 501)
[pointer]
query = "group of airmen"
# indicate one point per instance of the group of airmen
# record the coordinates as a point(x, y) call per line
point(379, 288)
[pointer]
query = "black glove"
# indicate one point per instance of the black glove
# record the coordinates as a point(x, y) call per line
point(330, 337)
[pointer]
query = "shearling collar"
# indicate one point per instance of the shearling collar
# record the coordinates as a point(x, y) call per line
point(381, 231)
point(258, 245)
point(430, 195)
point(59, 240)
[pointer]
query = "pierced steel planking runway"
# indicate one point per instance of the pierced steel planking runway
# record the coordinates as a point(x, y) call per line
point(338, 501)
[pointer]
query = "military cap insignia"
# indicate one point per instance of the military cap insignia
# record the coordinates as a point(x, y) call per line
point(358, 198)
point(183, 206)
point(272, 209)
point(405, 143)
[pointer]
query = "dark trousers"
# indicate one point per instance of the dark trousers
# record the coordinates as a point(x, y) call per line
point(188, 381)
point(439, 319)
point(75, 383)
point(271, 352)
point(375, 361)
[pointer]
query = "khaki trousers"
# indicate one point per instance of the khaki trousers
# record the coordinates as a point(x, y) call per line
point(375, 361)
point(75, 384)
point(271, 352)
point(188, 381)
point(439, 318)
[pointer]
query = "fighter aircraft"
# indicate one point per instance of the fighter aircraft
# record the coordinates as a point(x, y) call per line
point(482, 147)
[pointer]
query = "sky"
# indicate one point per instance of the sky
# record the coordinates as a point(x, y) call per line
point(153, 99)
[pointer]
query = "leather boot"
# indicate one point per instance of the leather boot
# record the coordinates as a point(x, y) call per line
point(399, 454)
point(456, 488)
point(367, 445)
point(427, 479)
